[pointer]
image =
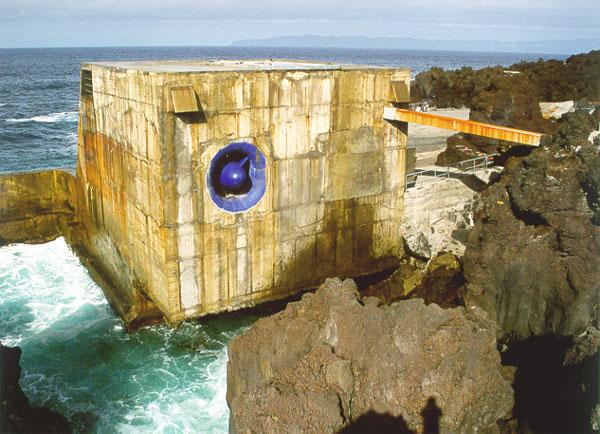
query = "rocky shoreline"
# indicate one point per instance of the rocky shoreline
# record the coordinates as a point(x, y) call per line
point(16, 414)
point(336, 357)
point(449, 336)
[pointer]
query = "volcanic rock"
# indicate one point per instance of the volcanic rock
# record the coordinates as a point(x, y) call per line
point(399, 285)
point(533, 257)
point(16, 415)
point(335, 359)
point(459, 147)
point(438, 281)
point(441, 281)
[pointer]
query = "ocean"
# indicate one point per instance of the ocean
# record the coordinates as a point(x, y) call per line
point(77, 358)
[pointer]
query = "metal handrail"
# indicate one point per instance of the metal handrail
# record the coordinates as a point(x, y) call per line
point(462, 167)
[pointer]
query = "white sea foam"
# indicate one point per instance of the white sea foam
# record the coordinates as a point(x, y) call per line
point(79, 361)
point(194, 403)
point(49, 118)
point(50, 283)
point(71, 143)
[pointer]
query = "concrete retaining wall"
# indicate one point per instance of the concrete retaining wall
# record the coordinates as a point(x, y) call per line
point(438, 214)
point(429, 203)
point(36, 207)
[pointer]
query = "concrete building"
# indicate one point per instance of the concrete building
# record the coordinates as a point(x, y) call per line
point(209, 186)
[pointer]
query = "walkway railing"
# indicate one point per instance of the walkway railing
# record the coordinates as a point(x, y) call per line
point(466, 167)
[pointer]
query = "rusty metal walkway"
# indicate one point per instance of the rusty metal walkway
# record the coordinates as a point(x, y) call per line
point(470, 127)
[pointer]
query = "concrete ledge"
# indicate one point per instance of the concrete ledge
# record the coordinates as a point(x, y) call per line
point(36, 207)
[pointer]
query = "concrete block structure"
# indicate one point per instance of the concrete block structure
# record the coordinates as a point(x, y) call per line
point(321, 195)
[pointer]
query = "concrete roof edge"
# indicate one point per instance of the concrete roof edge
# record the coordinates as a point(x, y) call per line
point(229, 65)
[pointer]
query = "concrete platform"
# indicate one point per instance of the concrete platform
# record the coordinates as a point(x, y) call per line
point(165, 66)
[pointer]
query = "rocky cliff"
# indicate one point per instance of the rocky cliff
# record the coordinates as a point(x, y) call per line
point(533, 257)
point(532, 262)
point(335, 361)
point(339, 362)
point(16, 415)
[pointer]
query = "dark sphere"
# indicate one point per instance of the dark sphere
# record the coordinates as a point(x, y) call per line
point(233, 176)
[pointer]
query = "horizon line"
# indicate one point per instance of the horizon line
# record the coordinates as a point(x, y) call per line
point(235, 45)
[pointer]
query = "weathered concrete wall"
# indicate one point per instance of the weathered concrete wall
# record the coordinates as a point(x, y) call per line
point(120, 188)
point(335, 179)
point(36, 207)
point(427, 203)
point(438, 213)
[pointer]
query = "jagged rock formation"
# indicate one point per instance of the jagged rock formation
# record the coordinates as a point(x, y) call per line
point(511, 102)
point(441, 281)
point(459, 147)
point(533, 263)
point(401, 283)
point(334, 359)
point(16, 415)
point(533, 258)
point(437, 281)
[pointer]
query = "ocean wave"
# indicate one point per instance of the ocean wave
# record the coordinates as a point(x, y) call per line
point(195, 403)
point(49, 118)
point(72, 138)
point(47, 283)
point(79, 361)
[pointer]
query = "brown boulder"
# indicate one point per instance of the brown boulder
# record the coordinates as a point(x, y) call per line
point(439, 282)
point(442, 280)
point(334, 359)
point(399, 285)
point(459, 147)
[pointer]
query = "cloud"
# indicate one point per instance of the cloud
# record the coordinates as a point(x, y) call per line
point(553, 12)
point(217, 22)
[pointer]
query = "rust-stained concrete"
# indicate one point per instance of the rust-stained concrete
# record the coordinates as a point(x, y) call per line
point(36, 207)
point(335, 180)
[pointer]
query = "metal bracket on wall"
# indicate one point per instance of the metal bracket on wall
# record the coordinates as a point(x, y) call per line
point(183, 100)
point(399, 92)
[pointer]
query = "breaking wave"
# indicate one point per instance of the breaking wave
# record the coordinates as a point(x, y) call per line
point(49, 118)
point(79, 361)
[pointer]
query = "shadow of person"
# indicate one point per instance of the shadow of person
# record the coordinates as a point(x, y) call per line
point(373, 422)
point(431, 415)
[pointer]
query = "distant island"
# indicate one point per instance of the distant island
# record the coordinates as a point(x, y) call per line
point(571, 46)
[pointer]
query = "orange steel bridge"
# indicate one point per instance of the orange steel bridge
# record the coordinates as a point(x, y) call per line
point(470, 127)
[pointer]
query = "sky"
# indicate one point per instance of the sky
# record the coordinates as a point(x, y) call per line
point(52, 23)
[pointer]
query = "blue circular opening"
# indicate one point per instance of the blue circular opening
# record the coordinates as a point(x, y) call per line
point(236, 178)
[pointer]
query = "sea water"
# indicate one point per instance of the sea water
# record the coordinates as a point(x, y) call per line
point(77, 358)
point(79, 361)
point(39, 88)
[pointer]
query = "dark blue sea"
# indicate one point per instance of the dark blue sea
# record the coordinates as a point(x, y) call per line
point(39, 88)
point(77, 358)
